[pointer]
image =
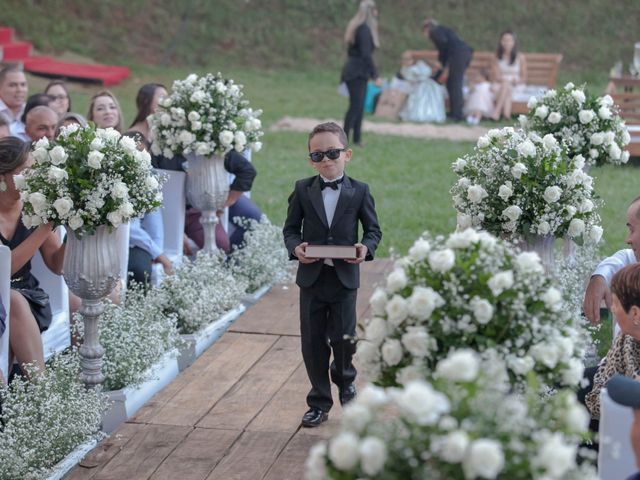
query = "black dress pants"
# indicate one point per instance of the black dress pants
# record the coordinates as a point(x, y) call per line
point(458, 64)
point(139, 266)
point(353, 119)
point(327, 315)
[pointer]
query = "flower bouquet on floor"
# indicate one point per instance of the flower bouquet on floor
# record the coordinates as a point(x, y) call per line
point(470, 290)
point(205, 115)
point(464, 424)
point(88, 178)
point(515, 185)
point(587, 125)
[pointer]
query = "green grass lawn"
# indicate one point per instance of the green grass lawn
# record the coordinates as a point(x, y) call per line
point(409, 178)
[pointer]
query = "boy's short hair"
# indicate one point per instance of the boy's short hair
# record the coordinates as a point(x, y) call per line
point(625, 285)
point(330, 127)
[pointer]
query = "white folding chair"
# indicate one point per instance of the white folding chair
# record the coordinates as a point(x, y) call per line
point(122, 236)
point(616, 459)
point(58, 335)
point(5, 295)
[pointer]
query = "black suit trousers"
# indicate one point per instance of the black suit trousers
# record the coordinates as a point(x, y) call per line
point(327, 315)
point(458, 63)
point(353, 119)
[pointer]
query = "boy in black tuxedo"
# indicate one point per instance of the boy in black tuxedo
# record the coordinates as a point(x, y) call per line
point(325, 210)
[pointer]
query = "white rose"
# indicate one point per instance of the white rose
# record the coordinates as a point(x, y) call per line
point(63, 206)
point(463, 221)
point(550, 93)
point(585, 116)
point(459, 164)
point(554, 117)
point(419, 250)
point(115, 218)
point(378, 301)
point(193, 116)
point(512, 212)
point(111, 135)
point(409, 374)
point(94, 159)
point(552, 194)
point(614, 152)
point(555, 456)
point(416, 341)
point(586, 206)
point(533, 101)
point(523, 121)
point(396, 280)
point(609, 137)
point(504, 192)
point(31, 221)
point(442, 260)
point(195, 126)
point(356, 417)
point(476, 193)
point(144, 158)
point(367, 354)
point(376, 330)
point(529, 262)
point(421, 403)
point(151, 182)
point(198, 96)
point(423, 301)
point(38, 201)
point(392, 352)
point(372, 396)
point(396, 310)
point(58, 155)
point(482, 310)
point(129, 145)
point(459, 366)
point(577, 417)
point(552, 298)
point(256, 146)
point(578, 96)
point(544, 228)
point(518, 169)
point(40, 154)
point(546, 353)
point(56, 174)
point(19, 181)
point(240, 138)
point(595, 234)
point(626, 137)
point(453, 447)
point(483, 142)
point(165, 119)
point(126, 210)
point(604, 113)
point(542, 111)
point(186, 138)
point(576, 228)
point(119, 190)
point(625, 156)
point(373, 455)
point(463, 239)
point(578, 162)
point(315, 467)
point(549, 142)
point(343, 451)
point(485, 459)
point(226, 138)
point(500, 282)
point(526, 148)
point(597, 138)
point(191, 78)
point(75, 222)
point(572, 375)
point(521, 365)
point(42, 143)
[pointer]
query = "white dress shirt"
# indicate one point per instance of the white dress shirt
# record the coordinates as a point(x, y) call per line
point(16, 127)
point(610, 265)
point(330, 199)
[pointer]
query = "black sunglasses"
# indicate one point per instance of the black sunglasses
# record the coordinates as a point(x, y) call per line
point(332, 154)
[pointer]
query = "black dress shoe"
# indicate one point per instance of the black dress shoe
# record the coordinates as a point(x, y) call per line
point(314, 417)
point(347, 394)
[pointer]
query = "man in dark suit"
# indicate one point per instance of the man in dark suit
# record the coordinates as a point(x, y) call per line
point(326, 209)
point(455, 54)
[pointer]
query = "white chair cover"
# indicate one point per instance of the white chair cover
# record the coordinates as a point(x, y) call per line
point(122, 236)
point(58, 335)
point(5, 295)
point(616, 459)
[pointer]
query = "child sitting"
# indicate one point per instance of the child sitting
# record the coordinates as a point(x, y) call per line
point(480, 100)
point(425, 102)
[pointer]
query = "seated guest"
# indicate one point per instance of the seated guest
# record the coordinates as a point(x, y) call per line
point(626, 391)
point(104, 111)
point(425, 102)
point(479, 103)
point(60, 100)
point(41, 122)
point(624, 355)
point(30, 311)
point(13, 95)
point(147, 101)
point(71, 118)
point(509, 74)
point(35, 100)
point(4, 126)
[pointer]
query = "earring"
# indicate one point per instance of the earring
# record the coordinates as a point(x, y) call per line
point(3, 185)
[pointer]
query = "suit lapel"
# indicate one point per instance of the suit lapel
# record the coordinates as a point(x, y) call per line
point(346, 194)
point(315, 195)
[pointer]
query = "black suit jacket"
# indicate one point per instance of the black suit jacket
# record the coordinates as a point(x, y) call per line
point(449, 44)
point(307, 222)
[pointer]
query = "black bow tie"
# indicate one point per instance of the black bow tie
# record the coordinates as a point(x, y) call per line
point(333, 185)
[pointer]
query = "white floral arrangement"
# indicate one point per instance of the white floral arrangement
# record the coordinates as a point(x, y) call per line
point(87, 178)
point(516, 185)
point(462, 425)
point(262, 259)
point(588, 125)
point(135, 335)
point(470, 290)
point(205, 115)
point(45, 420)
point(200, 292)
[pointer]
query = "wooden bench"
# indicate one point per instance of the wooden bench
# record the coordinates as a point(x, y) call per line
point(542, 68)
point(629, 103)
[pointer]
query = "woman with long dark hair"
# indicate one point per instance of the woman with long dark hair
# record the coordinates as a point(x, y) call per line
point(361, 37)
point(508, 74)
point(147, 101)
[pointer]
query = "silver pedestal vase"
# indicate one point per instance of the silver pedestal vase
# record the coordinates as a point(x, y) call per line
point(207, 190)
point(91, 269)
point(544, 246)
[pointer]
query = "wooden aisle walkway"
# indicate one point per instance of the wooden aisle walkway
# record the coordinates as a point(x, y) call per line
point(235, 413)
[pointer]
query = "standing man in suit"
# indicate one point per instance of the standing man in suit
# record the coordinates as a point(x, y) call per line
point(327, 209)
point(454, 53)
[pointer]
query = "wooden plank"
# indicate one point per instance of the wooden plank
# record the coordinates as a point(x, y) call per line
point(197, 455)
point(250, 457)
point(243, 402)
point(290, 464)
point(144, 452)
point(193, 402)
point(276, 313)
point(108, 448)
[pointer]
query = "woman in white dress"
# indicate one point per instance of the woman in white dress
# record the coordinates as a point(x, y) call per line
point(508, 74)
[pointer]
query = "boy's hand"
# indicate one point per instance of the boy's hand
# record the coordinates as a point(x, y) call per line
point(361, 251)
point(299, 252)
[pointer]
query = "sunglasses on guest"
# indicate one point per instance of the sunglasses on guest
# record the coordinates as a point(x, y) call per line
point(331, 154)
